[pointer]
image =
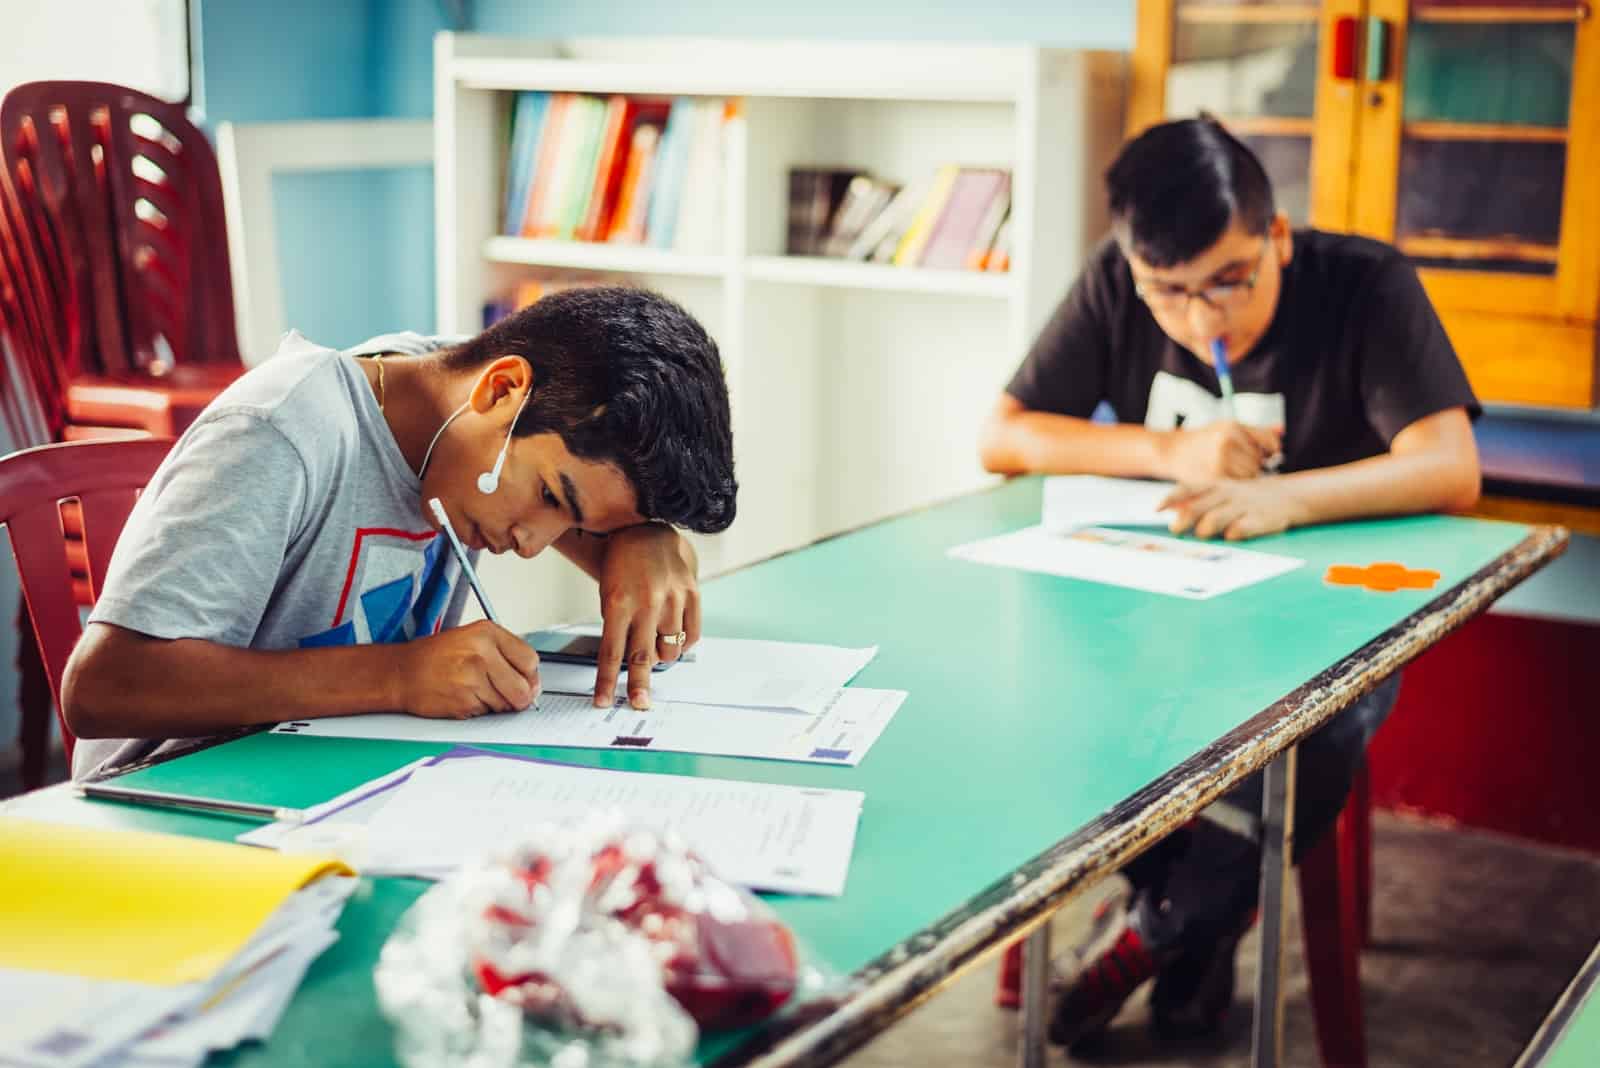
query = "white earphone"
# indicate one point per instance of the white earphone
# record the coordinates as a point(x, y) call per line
point(489, 481)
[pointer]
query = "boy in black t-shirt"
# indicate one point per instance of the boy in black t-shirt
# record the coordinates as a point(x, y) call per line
point(1344, 381)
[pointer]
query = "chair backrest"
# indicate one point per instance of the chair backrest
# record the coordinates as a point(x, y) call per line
point(123, 197)
point(46, 491)
point(36, 347)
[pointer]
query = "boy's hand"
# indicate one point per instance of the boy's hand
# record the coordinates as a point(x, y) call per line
point(1220, 450)
point(467, 671)
point(1234, 508)
point(649, 592)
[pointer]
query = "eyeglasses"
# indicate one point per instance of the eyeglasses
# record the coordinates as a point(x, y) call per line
point(1222, 297)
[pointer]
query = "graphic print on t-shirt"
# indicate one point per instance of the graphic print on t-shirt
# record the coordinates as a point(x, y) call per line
point(1176, 401)
point(397, 587)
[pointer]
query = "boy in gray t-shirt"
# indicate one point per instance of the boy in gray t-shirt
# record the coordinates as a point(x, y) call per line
point(287, 535)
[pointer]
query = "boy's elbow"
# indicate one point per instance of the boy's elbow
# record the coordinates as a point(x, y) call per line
point(89, 706)
point(1468, 488)
point(81, 709)
point(995, 453)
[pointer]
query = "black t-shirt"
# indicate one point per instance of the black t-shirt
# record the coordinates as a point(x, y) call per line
point(1355, 353)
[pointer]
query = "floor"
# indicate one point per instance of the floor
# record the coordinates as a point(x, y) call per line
point(1475, 935)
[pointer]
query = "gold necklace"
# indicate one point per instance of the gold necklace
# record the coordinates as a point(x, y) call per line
point(377, 360)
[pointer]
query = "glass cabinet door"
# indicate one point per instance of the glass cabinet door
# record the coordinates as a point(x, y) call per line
point(1483, 137)
point(1478, 149)
point(1253, 65)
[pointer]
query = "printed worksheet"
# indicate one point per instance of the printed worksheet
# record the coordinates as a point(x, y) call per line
point(1072, 502)
point(789, 839)
point(840, 732)
point(1197, 570)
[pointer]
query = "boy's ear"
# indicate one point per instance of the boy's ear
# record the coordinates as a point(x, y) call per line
point(505, 378)
point(1281, 233)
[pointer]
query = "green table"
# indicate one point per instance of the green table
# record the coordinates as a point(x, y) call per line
point(1055, 728)
point(1570, 1035)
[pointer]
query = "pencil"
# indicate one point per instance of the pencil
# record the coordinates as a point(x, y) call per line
point(461, 558)
point(466, 565)
point(190, 803)
point(1219, 358)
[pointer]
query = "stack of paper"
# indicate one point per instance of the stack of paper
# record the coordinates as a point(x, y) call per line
point(772, 700)
point(146, 949)
point(733, 672)
point(433, 816)
point(1075, 501)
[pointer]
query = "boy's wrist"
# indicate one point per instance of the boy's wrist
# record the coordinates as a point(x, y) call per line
point(1163, 451)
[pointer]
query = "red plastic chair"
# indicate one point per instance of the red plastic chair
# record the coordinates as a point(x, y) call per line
point(116, 216)
point(116, 298)
point(103, 478)
point(1335, 922)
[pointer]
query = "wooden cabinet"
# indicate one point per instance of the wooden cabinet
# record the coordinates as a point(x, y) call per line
point(1466, 134)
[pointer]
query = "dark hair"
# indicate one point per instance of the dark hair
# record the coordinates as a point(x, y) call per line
point(629, 378)
point(1176, 188)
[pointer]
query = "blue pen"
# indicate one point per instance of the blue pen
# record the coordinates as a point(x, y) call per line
point(1219, 358)
point(466, 564)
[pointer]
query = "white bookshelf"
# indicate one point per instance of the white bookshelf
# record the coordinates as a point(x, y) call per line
point(857, 388)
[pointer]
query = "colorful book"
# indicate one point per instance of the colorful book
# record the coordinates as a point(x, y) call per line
point(909, 252)
point(633, 199)
point(699, 227)
point(815, 196)
point(527, 124)
point(954, 232)
point(586, 152)
point(999, 258)
point(544, 171)
point(613, 146)
point(882, 235)
point(668, 184)
point(999, 211)
point(864, 199)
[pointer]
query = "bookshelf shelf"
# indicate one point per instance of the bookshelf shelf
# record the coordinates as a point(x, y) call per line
point(858, 389)
point(599, 256)
point(846, 274)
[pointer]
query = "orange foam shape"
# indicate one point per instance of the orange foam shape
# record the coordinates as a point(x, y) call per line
point(1383, 577)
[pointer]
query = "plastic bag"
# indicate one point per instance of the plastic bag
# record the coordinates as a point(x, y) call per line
point(599, 945)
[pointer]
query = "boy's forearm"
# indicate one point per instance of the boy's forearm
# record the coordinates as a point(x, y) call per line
point(1030, 442)
point(1392, 484)
point(122, 684)
point(588, 553)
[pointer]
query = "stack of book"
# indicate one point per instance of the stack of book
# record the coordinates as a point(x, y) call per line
point(959, 218)
point(623, 169)
point(528, 290)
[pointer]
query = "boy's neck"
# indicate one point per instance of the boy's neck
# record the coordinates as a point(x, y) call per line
point(418, 396)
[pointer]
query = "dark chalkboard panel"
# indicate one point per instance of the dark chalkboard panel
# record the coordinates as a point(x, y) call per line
point(1518, 72)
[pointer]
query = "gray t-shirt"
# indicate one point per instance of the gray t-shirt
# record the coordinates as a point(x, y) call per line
point(285, 517)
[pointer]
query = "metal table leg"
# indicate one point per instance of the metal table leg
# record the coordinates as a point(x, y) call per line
point(1277, 851)
point(1035, 996)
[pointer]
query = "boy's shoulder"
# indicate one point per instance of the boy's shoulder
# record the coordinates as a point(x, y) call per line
point(1347, 255)
point(303, 393)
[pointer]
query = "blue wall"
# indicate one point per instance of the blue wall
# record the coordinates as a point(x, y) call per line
point(1080, 24)
point(355, 249)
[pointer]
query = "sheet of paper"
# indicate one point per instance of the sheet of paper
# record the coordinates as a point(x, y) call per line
point(766, 837)
point(732, 671)
point(184, 905)
point(1197, 570)
point(1075, 501)
point(840, 732)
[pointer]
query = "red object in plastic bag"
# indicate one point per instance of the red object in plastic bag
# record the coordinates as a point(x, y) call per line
point(729, 970)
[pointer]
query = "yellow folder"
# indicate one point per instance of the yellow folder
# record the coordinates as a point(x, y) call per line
point(130, 905)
